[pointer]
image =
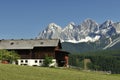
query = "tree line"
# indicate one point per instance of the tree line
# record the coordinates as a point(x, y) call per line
point(108, 60)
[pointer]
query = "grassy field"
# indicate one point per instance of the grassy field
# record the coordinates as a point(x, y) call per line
point(14, 72)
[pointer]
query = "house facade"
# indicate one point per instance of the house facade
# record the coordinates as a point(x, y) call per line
point(33, 51)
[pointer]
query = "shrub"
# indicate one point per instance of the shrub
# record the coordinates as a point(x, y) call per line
point(10, 56)
point(47, 61)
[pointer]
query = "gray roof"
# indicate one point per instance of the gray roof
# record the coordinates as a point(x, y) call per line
point(28, 43)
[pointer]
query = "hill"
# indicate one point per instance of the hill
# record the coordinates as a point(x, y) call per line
point(14, 72)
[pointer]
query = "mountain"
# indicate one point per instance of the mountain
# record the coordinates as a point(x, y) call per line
point(51, 32)
point(103, 44)
point(88, 35)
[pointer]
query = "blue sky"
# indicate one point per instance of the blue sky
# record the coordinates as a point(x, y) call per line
point(26, 18)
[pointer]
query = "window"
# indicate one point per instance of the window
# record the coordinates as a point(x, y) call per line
point(41, 42)
point(11, 43)
point(21, 61)
point(35, 61)
point(40, 61)
point(26, 61)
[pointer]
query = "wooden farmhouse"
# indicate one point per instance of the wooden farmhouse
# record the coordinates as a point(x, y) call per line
point(33, 51)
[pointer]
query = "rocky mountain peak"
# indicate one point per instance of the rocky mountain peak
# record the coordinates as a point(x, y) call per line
point(70, 26)
point(89, 21)
point(109, 22)
point(88, 30)
point(106, 24)
point(53, 26)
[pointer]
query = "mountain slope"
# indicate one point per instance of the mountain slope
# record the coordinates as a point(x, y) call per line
point(115, 41)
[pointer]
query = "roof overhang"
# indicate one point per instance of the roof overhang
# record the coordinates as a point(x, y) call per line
point(61, 51)
point(28, 43)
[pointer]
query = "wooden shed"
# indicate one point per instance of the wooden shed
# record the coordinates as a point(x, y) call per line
point(33, 51)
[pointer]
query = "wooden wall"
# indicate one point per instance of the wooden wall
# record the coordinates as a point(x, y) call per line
point(37, 53)
point(40, 53)
point(24, 54)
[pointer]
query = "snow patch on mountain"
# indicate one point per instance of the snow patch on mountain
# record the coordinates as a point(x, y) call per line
point(87, 39)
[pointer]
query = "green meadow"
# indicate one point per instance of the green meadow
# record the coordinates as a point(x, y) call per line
point(14, 72)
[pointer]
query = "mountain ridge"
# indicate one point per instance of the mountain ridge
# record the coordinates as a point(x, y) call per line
point(88, 31)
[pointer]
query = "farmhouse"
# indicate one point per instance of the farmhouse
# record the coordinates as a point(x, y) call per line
point(33, 51)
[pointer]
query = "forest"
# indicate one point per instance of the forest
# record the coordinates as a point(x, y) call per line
point(107, 60)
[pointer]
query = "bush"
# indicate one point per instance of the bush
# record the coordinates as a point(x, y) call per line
point(9, 56)
point(47, 61)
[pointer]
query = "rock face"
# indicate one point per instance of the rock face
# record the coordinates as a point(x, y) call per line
point(53, 31)
point(88, 30)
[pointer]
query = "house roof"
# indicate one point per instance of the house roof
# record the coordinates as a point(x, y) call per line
point(28, 43)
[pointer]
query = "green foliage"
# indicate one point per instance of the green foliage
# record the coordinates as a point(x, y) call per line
point(8, 55)
point(47, 61)
point(107, 60)
point(75, 60)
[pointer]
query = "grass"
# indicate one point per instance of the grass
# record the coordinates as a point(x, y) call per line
point(14, 72)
